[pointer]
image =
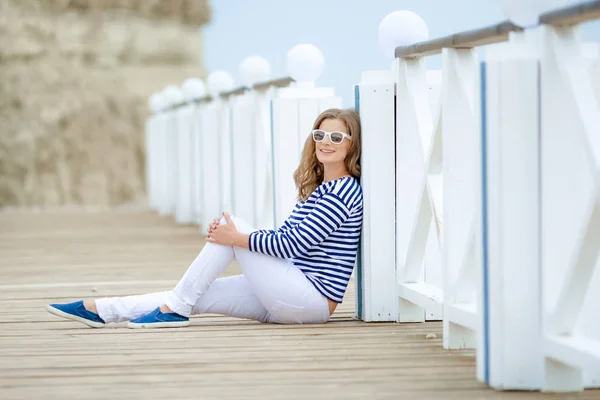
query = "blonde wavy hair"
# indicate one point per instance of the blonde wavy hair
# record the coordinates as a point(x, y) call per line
point(309, 174)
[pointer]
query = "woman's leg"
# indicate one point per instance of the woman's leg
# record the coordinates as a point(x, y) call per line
point(210, 263)
point(281, 287)
point(232, 296)
point(119, 309)
point(284, 290)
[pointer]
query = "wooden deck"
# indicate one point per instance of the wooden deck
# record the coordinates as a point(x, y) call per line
point(64, 256)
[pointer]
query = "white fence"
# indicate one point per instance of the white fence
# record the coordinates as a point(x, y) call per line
point(481, 187)
point(497, 198)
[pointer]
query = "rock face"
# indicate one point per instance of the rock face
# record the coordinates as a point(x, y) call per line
point(74, 83)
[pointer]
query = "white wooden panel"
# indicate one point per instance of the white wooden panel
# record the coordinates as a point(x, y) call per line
point(152, 152)
point(432, 271)
point(225, 161)
point(513, 203)
point(463, 315)
point(165, 182)
point(328, 102)
point(460, 155)
point(286, 156)
point(576, 351)
point(308, 111)
point(424, 294)
point(184, 213)
point(263, 161)
point(170, 163)
point(211, 182)
point(197, 163)
point(379, 297)
point(244, 173)
point(416, 136)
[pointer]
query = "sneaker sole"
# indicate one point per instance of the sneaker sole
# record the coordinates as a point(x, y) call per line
point(152, 325)
point(72, 317)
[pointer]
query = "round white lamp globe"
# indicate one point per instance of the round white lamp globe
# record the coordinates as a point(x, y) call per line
point(526, 13)
point(193, 89)
point(401, 28)
point(254, 69)
point(172, 95)
point(155, 102)
point(218, 82)
point(305, 64)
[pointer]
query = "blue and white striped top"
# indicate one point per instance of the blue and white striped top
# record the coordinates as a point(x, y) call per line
point(320, 236)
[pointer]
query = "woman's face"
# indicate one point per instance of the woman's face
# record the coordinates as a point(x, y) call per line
point(328, 153)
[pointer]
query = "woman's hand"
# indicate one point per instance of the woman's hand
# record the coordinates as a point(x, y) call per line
point(226, 234)
point(213, 225)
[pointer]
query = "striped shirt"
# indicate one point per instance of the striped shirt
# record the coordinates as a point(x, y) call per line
point(320, 236)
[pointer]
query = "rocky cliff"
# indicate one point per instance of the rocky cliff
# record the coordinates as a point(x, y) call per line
point(75, 76)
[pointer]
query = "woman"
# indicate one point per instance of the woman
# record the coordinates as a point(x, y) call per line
point(297, 274)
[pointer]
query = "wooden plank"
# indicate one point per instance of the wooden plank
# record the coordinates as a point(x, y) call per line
point(463, 40)
point(280, 82)
point(236, 91)
point(572, 15)
point(42, 356)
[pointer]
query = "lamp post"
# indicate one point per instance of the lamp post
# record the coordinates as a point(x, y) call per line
point(254, 69)
point(401, 28)
point(305, 64)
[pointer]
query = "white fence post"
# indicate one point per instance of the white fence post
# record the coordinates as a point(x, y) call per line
point(418, 192)
point(251, 135)
point(211, 191)
point(192, 90)
point(244, 155)
point(376, 280)
point(459, 127)
point(184, 159)
point(173, 96)
point(153, 151)
point(225, 158)
point(161, 135)
point(263, 157)
point(510, 353)
point(197, 161)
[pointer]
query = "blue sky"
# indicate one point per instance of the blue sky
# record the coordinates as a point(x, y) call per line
point(344, 30)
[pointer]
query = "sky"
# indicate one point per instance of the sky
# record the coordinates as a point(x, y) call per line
point(344, 30)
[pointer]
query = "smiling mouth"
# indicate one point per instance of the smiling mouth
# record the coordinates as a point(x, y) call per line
point(327, 151)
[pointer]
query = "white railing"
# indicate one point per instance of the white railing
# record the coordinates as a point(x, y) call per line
point(510, 201)
point(481, 187)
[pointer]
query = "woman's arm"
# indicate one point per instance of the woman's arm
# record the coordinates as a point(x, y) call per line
point(241, 240)
point(324, 219)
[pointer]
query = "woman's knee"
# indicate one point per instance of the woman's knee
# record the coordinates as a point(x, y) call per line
point(240, 224)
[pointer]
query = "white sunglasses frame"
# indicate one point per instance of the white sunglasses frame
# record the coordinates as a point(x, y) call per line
point(328, 134)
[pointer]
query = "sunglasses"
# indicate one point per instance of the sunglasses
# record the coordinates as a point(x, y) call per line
point(334, 137)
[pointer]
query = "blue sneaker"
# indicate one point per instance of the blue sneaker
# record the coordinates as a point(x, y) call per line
point(158, 319)
point(77, 312)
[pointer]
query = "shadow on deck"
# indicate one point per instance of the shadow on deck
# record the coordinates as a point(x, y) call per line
point(64, 256)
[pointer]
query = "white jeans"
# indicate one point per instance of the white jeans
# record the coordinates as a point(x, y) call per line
point(270, 290)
